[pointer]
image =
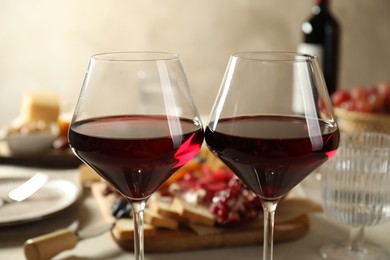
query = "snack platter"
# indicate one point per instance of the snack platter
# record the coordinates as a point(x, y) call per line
point(192, 237)
point(178, 225)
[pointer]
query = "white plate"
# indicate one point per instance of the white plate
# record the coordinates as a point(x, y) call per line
point(54, 196)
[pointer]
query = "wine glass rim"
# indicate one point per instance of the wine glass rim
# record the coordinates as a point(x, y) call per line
point(135, 56)
point(274, 56)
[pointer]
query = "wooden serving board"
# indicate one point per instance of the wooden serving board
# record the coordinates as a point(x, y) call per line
point(190, 238)
point(186, 239)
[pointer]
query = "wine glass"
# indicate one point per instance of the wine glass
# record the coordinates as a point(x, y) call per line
point(259, 128)
point(355, 191)
point(135, 135)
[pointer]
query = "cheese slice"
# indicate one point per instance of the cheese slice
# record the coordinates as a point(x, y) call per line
point(39, 106)
point(196, 214)
point(124, 229)
point(164, 208)
point(158, 220)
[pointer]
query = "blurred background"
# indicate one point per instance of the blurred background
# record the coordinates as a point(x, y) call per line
point(46, 45)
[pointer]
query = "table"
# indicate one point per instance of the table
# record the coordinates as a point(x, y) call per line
point(85, 213)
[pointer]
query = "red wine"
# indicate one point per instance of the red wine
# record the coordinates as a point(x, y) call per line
point(321, 37)
point(136, 154)
point(271, 154)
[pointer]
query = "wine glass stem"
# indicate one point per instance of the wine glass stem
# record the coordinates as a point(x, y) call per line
point(269, 208)
point(357, 240)
point(138, 216)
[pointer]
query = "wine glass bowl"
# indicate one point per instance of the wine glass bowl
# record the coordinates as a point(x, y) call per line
point(272, 124)
point(132, 139)
point(355, 191)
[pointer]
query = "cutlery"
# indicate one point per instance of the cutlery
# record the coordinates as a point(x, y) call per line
point(26, 189)
point(48, 245)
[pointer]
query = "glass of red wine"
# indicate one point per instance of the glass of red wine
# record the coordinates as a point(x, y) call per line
point(272, 124)
point(135, 124)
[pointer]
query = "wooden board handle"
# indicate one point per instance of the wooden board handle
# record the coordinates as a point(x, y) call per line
point(49, 245)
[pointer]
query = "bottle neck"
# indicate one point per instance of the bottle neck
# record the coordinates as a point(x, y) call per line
point(321, 6)
point(321, 2)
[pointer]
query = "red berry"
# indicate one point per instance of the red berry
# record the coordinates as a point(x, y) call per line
point(384, 91)
point(363, 105)
point(223, 174)
point(235, 205)
point(340, 97)
point(348, 105)
point(377, 102)
point(359, 93)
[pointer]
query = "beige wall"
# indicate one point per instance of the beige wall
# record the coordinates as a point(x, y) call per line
point(46, 44)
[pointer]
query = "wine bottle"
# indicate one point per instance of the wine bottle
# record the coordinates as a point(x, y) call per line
point(321, 37)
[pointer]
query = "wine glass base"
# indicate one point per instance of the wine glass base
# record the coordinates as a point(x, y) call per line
point(343, 251)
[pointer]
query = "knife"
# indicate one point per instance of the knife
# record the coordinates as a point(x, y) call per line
point(26, 189)
point(48, 245)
